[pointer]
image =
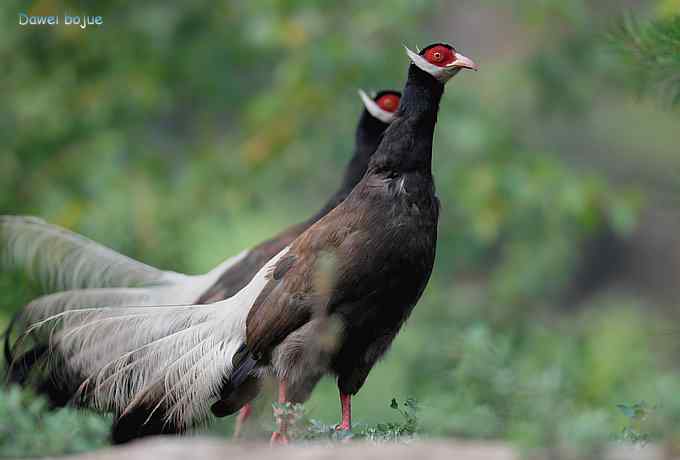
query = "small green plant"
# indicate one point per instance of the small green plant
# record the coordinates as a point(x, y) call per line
point(396, 431)
point(317, 430)
point(637, 414)
point(295, 416)
point(403, 431)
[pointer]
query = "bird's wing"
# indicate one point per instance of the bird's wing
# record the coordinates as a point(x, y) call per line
point(61, 260)
point(171, 359)
point(301, 283)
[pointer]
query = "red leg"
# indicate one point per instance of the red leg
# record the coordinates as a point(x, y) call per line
point(243, 415)
point(281, 435)
point(346, 406)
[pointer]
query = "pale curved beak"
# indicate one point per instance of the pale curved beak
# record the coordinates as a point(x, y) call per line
point(464, 62)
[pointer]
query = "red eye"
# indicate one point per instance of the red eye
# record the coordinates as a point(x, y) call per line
point(440, 55)
point(388, 102)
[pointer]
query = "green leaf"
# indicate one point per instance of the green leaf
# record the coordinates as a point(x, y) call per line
point(628, 411)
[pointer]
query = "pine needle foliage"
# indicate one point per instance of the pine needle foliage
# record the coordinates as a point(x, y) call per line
point(651, 51)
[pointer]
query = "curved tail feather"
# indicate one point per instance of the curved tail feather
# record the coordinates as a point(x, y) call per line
point(167, 362)
point(182, 292)
point(62, 260)
point(49, 305)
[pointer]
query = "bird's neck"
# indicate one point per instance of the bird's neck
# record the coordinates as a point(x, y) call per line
point(407, 144)
point(367, 138)
point(368, 134)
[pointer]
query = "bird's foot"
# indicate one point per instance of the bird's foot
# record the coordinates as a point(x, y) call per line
point(278, 439)
point(344, 426)
point(344, 432)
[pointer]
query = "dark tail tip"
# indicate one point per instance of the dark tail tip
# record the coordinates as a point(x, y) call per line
point(9, 357)
point(139, 423)
point(19, 369)
point(58, 391)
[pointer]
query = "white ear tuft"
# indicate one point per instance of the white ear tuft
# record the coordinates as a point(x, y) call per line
point(375, 110)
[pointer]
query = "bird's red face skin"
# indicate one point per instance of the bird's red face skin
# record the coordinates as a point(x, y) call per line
point(388, 102)
point(441, 61)
point(440, 55)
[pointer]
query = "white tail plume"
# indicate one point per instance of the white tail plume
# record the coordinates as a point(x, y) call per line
point(171, 359)
point(183, 291)
point(61, 260)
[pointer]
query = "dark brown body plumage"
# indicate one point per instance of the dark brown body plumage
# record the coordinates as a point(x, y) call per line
point(378, 248)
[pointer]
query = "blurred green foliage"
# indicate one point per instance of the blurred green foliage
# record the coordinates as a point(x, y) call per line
point(28, 429)
point(182, 133)
point(653, 50)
